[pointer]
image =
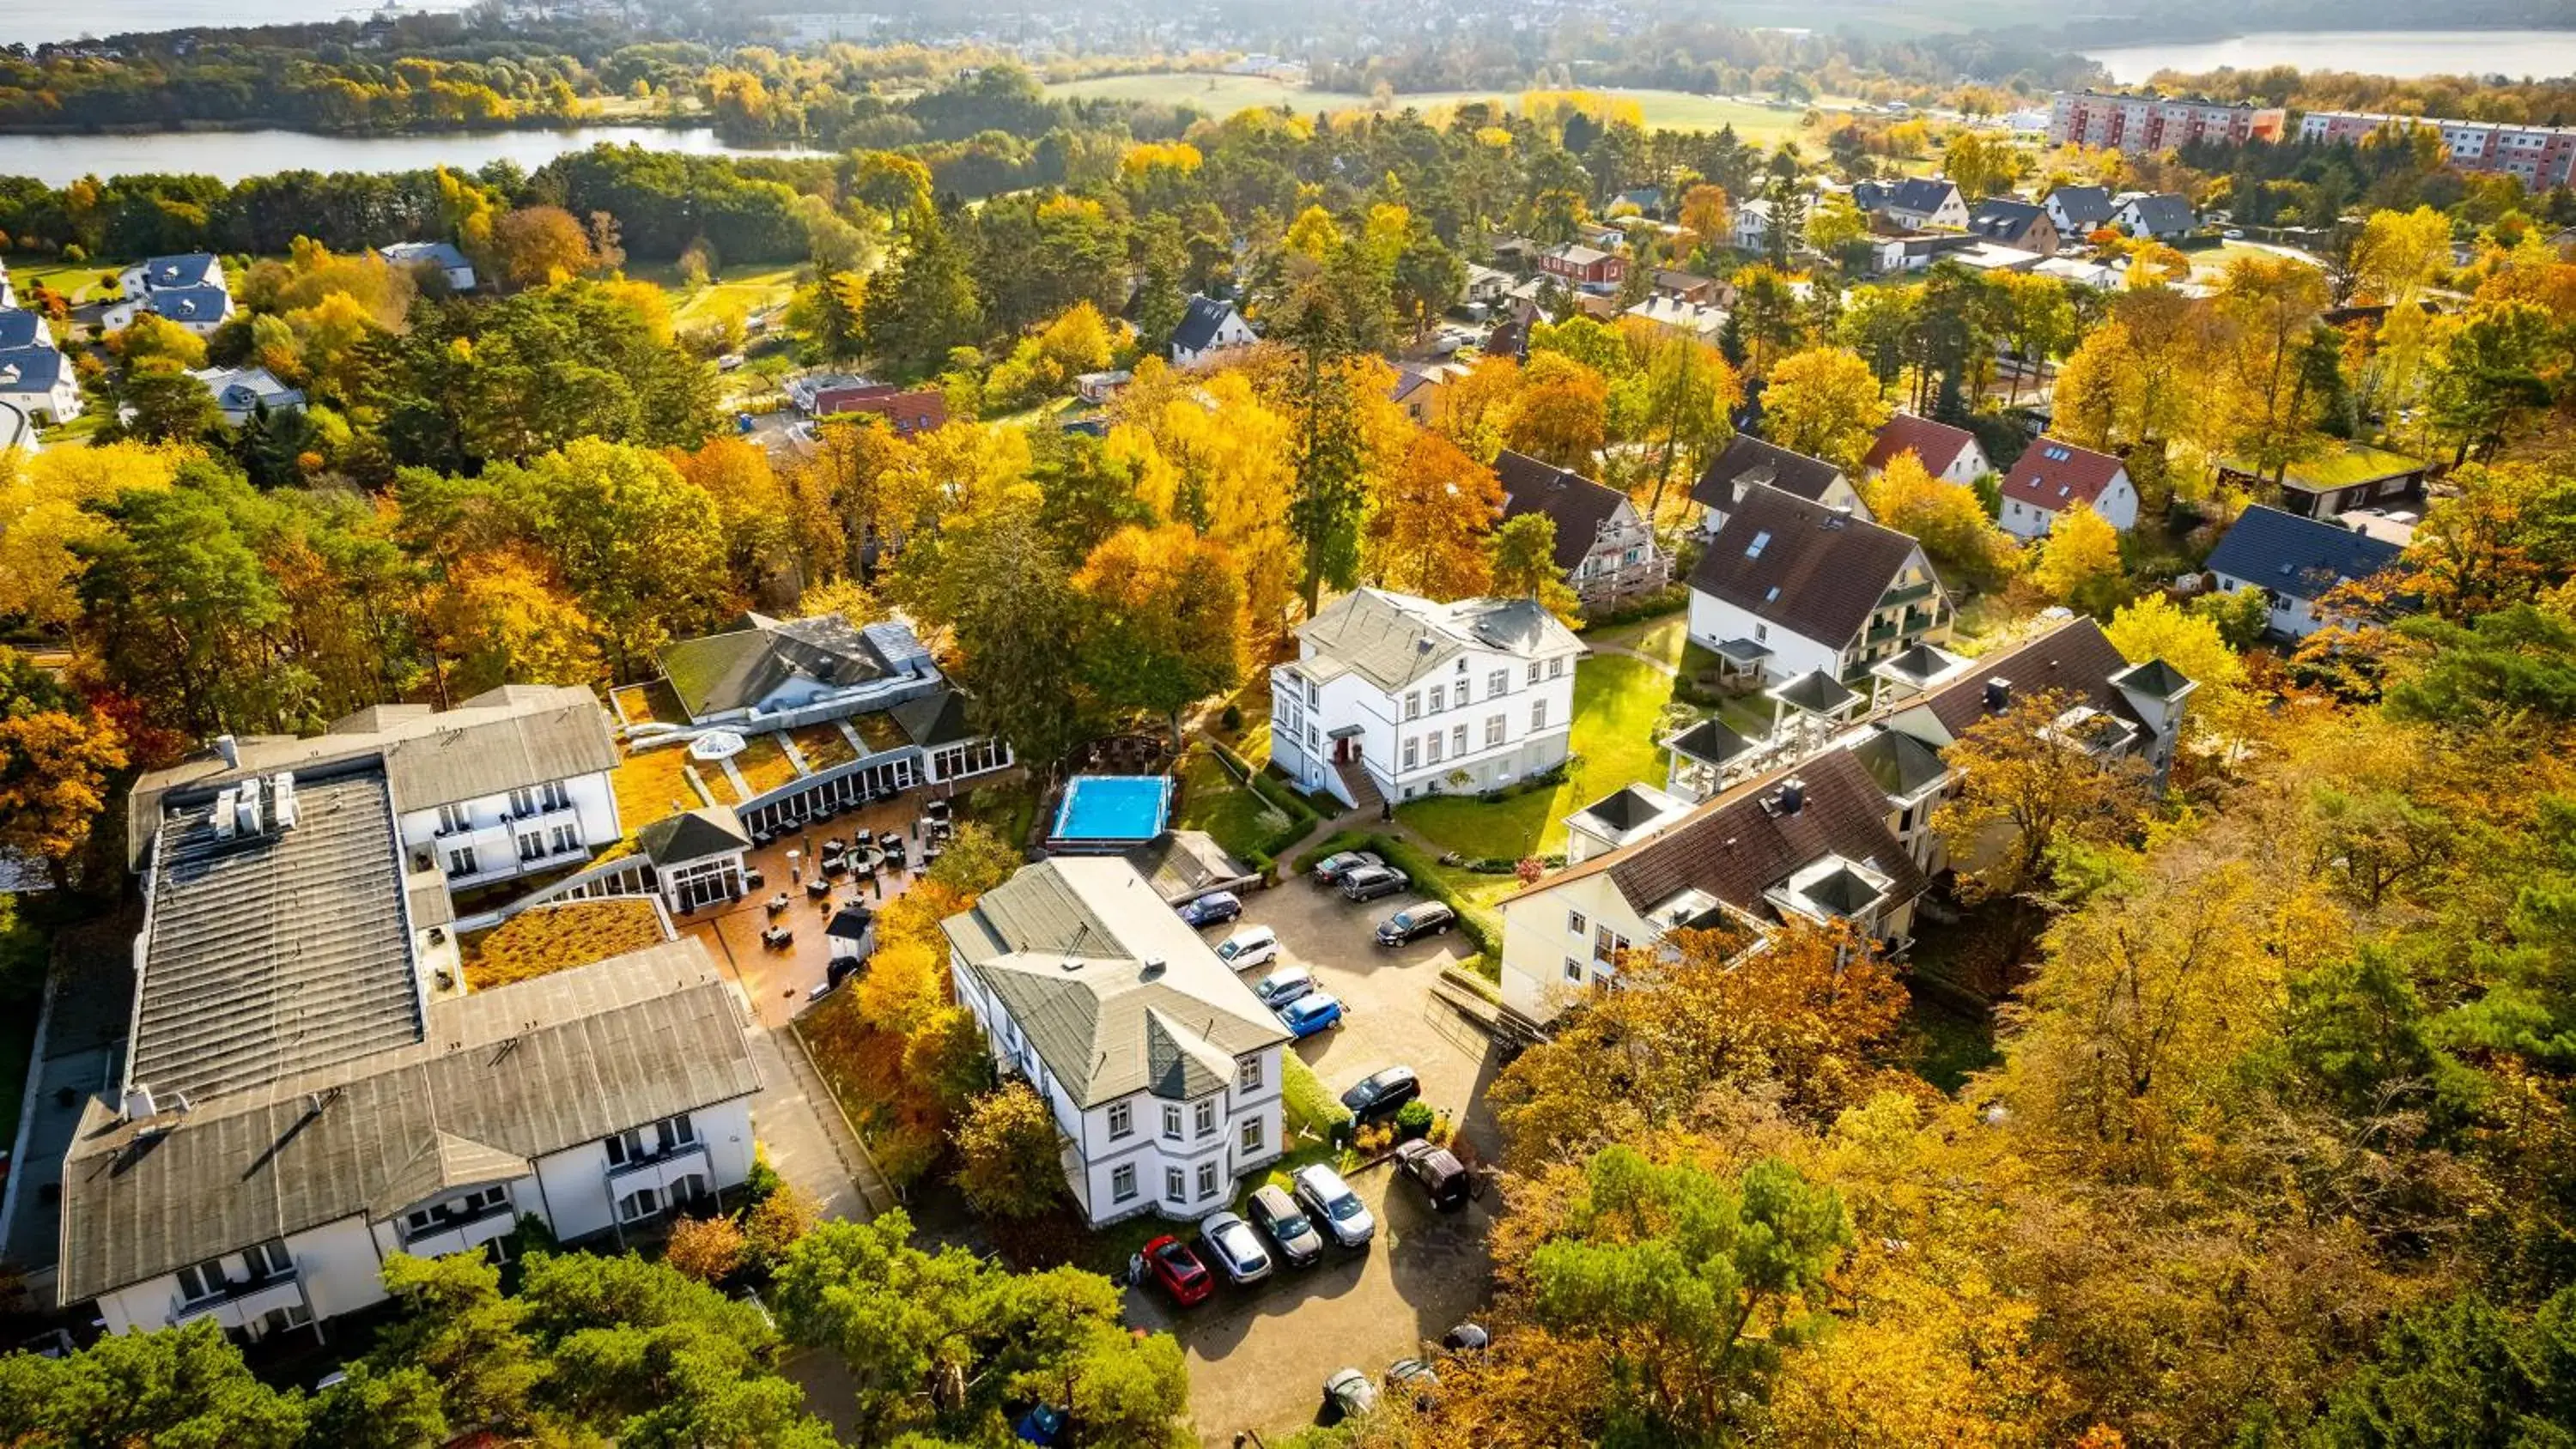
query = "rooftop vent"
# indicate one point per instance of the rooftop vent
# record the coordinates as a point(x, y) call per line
point(1998, 694)
point(1788, 800)
point(138, 1105)
point(230, 749)
point(226, 818)
point(282, 799)
point(1152, 970)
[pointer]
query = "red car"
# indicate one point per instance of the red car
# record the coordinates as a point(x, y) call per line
point(1178, 1270)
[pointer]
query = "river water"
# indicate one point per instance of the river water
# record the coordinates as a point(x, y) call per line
point(33, 22)
point(2520, 54)
point(232, 155)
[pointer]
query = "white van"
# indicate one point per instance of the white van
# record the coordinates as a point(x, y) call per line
point(1252, 946)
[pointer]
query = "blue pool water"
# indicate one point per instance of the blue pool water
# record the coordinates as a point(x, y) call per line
point(1113, 809)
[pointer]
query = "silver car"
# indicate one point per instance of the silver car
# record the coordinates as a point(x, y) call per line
point(1235, 1248)
point(1336, 1208)
point(1350, 1391)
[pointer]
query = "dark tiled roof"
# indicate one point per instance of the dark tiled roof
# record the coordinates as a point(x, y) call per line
point(1748, 461)
point(934, 719)
point(1935, 445)
point(2076, 658)
point(1900, 763)
point(1816, 692)
point(737, 669)
point(1710, 742)
point(1200, 323)
point(1803, 566)
point(2008, 219)
point(17, 328)
point(30, 369)
point(2155, 677)
point(2054, 475)
point(2085, 206)
point(1579, 505)
point(2299, 557)
point(1741, 844)
point(2163, 213)
point(1623, 810)
point(1912, 194)
point(693, 835)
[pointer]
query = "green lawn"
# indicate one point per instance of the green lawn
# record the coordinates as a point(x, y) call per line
point(1225, 94)
point(75, 282)
point(1214, 801)
point(750, 290)
point(1661, 638)
point(1618, 705)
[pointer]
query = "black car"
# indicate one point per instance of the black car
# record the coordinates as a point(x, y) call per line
point(1466, 1338)
point(1415, 922)
point(1277, 1214)
point(1382, 1094)
point(1368, 882)
point(1441, 1176)
point(1331, 869)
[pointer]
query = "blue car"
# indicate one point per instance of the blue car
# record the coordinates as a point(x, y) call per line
point(1213, 909)
point(1311, 1013)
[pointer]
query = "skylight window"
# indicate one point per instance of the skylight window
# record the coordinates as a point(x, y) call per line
point(1760, 542)
point(2055, 455)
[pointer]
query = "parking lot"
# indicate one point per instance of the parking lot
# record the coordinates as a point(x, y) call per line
point(1258, 1356)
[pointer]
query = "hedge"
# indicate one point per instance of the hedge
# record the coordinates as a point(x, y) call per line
point(1405, 856)
point(1670, 599)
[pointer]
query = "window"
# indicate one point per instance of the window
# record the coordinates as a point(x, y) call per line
point(1172, 1122)
point(1573, 969)
point(523, 802)
point(1252, 1138)
point(1247, 1077)
point(1498, 681)
point(1458, 739)
point(457, 1209)
point(1575, 925)
point(1760, 542)
point(1606, 945)
point(532, 846)
point(1206, 1118)
point(567, 837)
point(677, 1132)
point(1538, 714)
point(453, 818)
point(554, 796)
point(1771, 595)
point(1761, 632)
point(643, 1202)
point(202, 1280)
point(1556, 667)
point(1413, 705)
point(1207, 1180)
point(1122, 1183)
point(1439, 698)
point(1493, 731)
point(1176, 1186)
point(1431, 747)
point(1412, 753)
point(1122, 1119)
point(460, 861)
point(1533, 672)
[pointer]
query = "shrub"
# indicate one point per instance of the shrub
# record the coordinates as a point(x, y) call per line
point(1006, 1139)
point(775, 1224)
point(707, 1249)
point(1413, 1120)
point(1232, 719)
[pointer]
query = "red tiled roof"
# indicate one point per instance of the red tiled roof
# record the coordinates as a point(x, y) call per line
point(2056, 475)
point(1935, 445)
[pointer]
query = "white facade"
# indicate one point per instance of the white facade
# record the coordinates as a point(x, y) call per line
point(1714, 621)
point(1231, 332)
point(1752, 223)
point(338, 1267)
point(2026, 520)
point(57, 400)
point(1142, 1153)
point(494, 837)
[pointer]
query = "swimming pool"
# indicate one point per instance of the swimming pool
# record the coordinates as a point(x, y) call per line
point(1111, 812)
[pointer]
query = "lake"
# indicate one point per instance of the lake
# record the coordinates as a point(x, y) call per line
point(233, 155)
point(31, 23)
point(2540, 54)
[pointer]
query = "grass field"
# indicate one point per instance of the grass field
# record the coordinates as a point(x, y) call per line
point(1618, 701)
point(749, 290)
point(76, 283)
point(1226, 94)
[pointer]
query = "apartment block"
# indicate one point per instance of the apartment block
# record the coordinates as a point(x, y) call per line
point(2140, 124)
point(2542, 156)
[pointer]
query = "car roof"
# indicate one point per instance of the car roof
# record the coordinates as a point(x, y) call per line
point(1320, 1170)
point(1397, 1073)
point(1271, 1195)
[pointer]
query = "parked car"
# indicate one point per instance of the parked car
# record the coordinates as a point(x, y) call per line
point(1235, 1247)
point(1381, 1093)
point(1442, 1177)
point(1252, 946)
point(1284, 985)
point(1413, 1376)
point(1213, 909)
point(1278, 1215)
point(1369, 882)
point(1336, 1208)
point(1466, 1338)
point(1331, 869)
point(1350, 1391)
point(2232, 234)
point(1415, 922)
point(1178, 1271)
point(1308, 1014)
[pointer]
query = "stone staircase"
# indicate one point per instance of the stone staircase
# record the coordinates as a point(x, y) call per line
point(1364, 793)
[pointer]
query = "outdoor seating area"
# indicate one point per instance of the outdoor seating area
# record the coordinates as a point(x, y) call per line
point(1125, 755)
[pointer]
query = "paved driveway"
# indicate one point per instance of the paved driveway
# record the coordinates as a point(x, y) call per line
point(1258, 1357)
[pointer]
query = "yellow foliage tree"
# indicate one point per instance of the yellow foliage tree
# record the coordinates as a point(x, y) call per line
point(1427, 521)
point(2079, 561)
point(1826, 403)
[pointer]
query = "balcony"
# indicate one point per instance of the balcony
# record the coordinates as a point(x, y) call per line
point(242, 1304)
point(1905, 595)
point(462, 1234)
point(661, 1172)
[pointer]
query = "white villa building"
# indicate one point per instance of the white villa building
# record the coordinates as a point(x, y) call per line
point(1162, 1069)
point(1393, 697)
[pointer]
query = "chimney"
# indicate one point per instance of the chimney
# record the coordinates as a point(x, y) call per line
point(282, 800)
point(1998, 694)
point(226, 819)
point(230, 749)
point(1793, 796)
point(246, 808)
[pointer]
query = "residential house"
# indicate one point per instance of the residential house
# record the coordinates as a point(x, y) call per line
point(8, 292)
point(1510, 335)
point(1486, 285)
point(1585, 268)
point(199, 310)
point(2079, 211)
point(17, 430)
point(1751, 231)
point(2295, 561)
point(20, 327)
point(1097, 388)
point(189, 290)
point(241, 393)
point(1162, 1070)
point(308, 1086)
point(1790, 587)
point(2053, 476)
point(1603, 545)
point(2012, 222)
point(1947, 453)
point(2164, 215)
point(917, 411)
point(1693, 320)
point(1914, 251)
point(443, 258)
point(816, 394)
point(39, 382)
point(1393, 697)
point(1747, 461)
point(1914, 204)
point(1420, 387)
point(1811, 843)
point(512, 782)
point(2077, 272)
point(1986, 256)
point(1211, 327)
point(153, 274)
point(1693, 288)
point(1623, 817)
point(2344, 477)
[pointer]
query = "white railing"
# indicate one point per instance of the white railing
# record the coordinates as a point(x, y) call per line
point(239, 1304)
point(461, 1235)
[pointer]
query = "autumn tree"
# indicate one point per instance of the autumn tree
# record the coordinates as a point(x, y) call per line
point(1560, 414)
point(1006, 1148)
point(637, 544)
point(1947, 518)
point(537, 245)
point(55, 764)
point(1166, 624)
point(1428, 520)
point(1521, 559)
point(1826, 403)
point(2079, 561)
point(708, 1249)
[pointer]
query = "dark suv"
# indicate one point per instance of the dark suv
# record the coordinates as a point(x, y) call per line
point(1369, 882)
point(1441, 1176)
point(1382, 1094)
point(1415, 922)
